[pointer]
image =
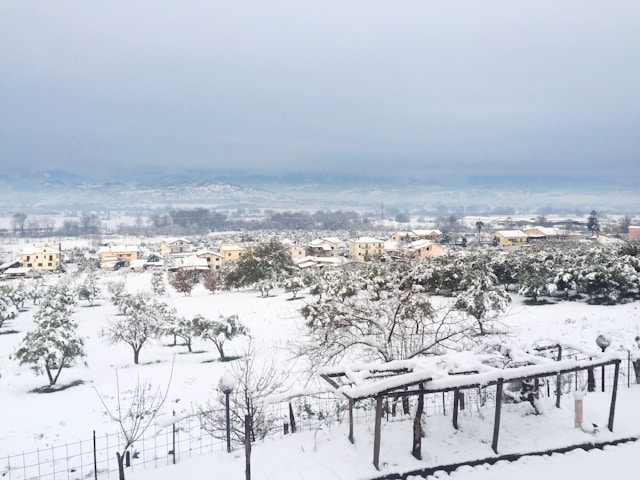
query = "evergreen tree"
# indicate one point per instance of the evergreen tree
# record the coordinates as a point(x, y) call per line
point(157, 283)
point(593, 224)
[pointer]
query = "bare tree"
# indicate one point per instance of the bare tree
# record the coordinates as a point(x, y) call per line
point(18, 221)
point(255, 382)
point(134, 419)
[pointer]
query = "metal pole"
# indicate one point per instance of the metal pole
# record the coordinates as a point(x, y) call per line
point(174, 438)
point(226, 405)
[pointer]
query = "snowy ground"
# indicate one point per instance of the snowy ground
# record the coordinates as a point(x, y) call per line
point(37, 421)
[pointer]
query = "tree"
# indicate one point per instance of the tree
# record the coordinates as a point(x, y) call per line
point(219, 331)
point(383, 313)
point(183, 281)
point(54, 344)
point(17, 222)
point(143, 319)
point(593, 224)
point(89, 290)
point(144, 406)
point(210, 281)
point(266, 261)
point(90, 223)
point(8, 310)
point(479, 227)
point(253, 382)
point(157, 283)
point(180, 327)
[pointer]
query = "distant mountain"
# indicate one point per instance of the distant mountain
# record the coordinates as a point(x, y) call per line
point(61, 191)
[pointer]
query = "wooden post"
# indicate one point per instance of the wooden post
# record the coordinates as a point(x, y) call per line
point(416, 449)
point(247, 446)
point(226, 407)
point(351, 402)
point(376, 434)
point(614, 393)
point(591, 380)
point(559, 379)
point(292, 419)
point(496, 419)
point(173, 430)
point(456, 401)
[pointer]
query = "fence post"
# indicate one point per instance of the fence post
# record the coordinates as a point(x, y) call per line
point(174, 437)
point(53, 462)
point(95, 458)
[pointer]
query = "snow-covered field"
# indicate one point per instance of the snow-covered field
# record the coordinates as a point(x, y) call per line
point(33, 421)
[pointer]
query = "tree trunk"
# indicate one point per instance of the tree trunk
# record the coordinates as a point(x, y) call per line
point(136, 355)
point(636, 367)
point(120, 466)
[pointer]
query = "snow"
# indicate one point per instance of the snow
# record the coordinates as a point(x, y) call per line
point(32, 420)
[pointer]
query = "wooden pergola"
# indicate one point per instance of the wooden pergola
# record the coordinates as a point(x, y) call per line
point(449, 373)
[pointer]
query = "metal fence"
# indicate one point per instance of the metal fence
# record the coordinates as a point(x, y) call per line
point(173, 441)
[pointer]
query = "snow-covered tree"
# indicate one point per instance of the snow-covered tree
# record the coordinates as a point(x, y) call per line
point(183, 281)
point(54, 344)
point(142, 320)
point(389, 316)
point(180, 327)
point(16, 294)
point(89, 289)
point(593, 224)
point(8, 310)
point(158, 286)
point(294, 284)
point(219, 331)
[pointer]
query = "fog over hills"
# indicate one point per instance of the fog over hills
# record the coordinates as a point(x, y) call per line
point(47, 191)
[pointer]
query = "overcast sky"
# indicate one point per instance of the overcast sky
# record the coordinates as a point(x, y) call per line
point(400, 87)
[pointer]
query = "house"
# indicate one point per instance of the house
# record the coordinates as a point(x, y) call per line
point(413, 235)
point(422, 249)
point(297, 251)
point(232, 251)
point(42, 257)
point(542, 233)
point(509, 238)
point(320, 263)
point(324, 247)
point(634, 233)
point(118, 253)
point(176, 246)
point(214, 259)
point(366, 249)
point(191, 262)
point(433, 235)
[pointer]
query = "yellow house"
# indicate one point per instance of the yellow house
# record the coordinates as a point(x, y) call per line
point(297, 251)
point(42, 257)
point(178, 245)
point(510, 238)
point(232, 251)
point(365, 249)
point(214, 259)
point(115, 253)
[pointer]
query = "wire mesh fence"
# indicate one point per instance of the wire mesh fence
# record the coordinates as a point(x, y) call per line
point(174, 439)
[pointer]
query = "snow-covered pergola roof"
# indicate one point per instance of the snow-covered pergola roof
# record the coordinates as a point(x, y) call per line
point(454, 372)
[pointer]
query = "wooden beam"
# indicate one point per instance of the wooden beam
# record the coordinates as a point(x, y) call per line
point(377, 433)
point(456, 401)
point(614, 393)
point(416, 450)
point(496, 420)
